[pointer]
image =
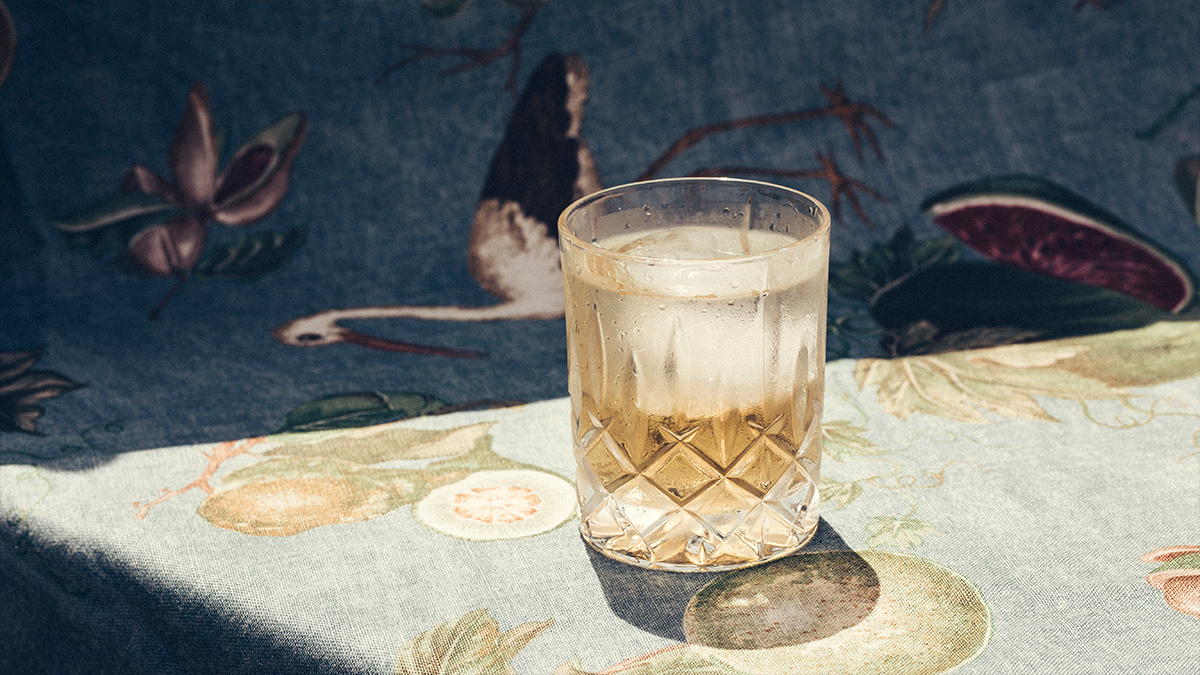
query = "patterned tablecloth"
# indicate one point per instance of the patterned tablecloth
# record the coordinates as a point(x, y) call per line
point(282, 361)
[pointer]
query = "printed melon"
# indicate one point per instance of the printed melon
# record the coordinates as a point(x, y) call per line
point(1035, 225)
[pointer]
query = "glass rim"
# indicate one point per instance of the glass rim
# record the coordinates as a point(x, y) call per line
point(823, 218)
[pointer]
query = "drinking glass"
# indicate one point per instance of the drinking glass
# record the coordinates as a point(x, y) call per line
point(695, 315)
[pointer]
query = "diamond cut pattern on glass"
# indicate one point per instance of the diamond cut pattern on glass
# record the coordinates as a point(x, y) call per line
point(670, 503)
point(602, 451)
point(681, 473)
point(671, 535)
point(642, 503)
point(723, 439)
point(765, 461)
point(726, 504)
point(762, 465)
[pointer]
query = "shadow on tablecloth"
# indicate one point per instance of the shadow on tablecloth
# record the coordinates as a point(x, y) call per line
point(655, 601)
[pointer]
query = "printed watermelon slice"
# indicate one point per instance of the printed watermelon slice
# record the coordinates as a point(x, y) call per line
point(1035, 225)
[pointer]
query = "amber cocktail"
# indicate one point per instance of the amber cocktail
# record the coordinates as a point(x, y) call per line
point(696, 338)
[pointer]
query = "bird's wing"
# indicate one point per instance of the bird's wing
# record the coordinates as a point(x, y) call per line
point(542, 163)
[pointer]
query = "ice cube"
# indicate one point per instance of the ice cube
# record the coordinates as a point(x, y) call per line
point(684, 243)
point(696, 242)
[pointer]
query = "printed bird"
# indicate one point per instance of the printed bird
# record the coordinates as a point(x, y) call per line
point(541, 166)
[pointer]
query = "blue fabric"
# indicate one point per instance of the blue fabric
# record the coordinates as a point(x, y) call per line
point(1099, 98)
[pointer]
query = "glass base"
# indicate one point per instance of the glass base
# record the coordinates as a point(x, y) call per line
point(718, 564)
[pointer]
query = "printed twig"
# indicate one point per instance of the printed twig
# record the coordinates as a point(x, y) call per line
point(840, 184)
point(179, 281)
point(1129, 421)
point(631, 663)
point(854, 115)
point(931, 13)
point(473, 58)
point(219, 454)
point(1161, 123)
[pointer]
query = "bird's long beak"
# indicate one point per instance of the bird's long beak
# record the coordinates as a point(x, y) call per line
point(384, 344)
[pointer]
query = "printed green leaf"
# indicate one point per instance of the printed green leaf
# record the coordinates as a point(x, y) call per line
point(862, 277)
point(115, 238)
point(252, 257)
point(482, 458)
point(1159, 353)
point(358, 409)
point(960, 385)
point(1184, 561)
point(512, 641)
point(901, 533)
point(22, 388)
point(843, 440)
point(1005, 380)
point(123, 206)
point(373, 445)
point(839, 494)
point(469, 645)
point(444, 9)
point(405, 483)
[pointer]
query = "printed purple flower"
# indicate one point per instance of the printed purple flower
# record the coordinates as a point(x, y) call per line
point(172, 248)
point(161, 224)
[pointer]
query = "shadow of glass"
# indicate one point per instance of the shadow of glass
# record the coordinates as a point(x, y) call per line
point(656, 601)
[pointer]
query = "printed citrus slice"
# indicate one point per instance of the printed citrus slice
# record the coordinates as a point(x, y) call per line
point(840, 612)
point(506, 504)
point(1033, 224)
